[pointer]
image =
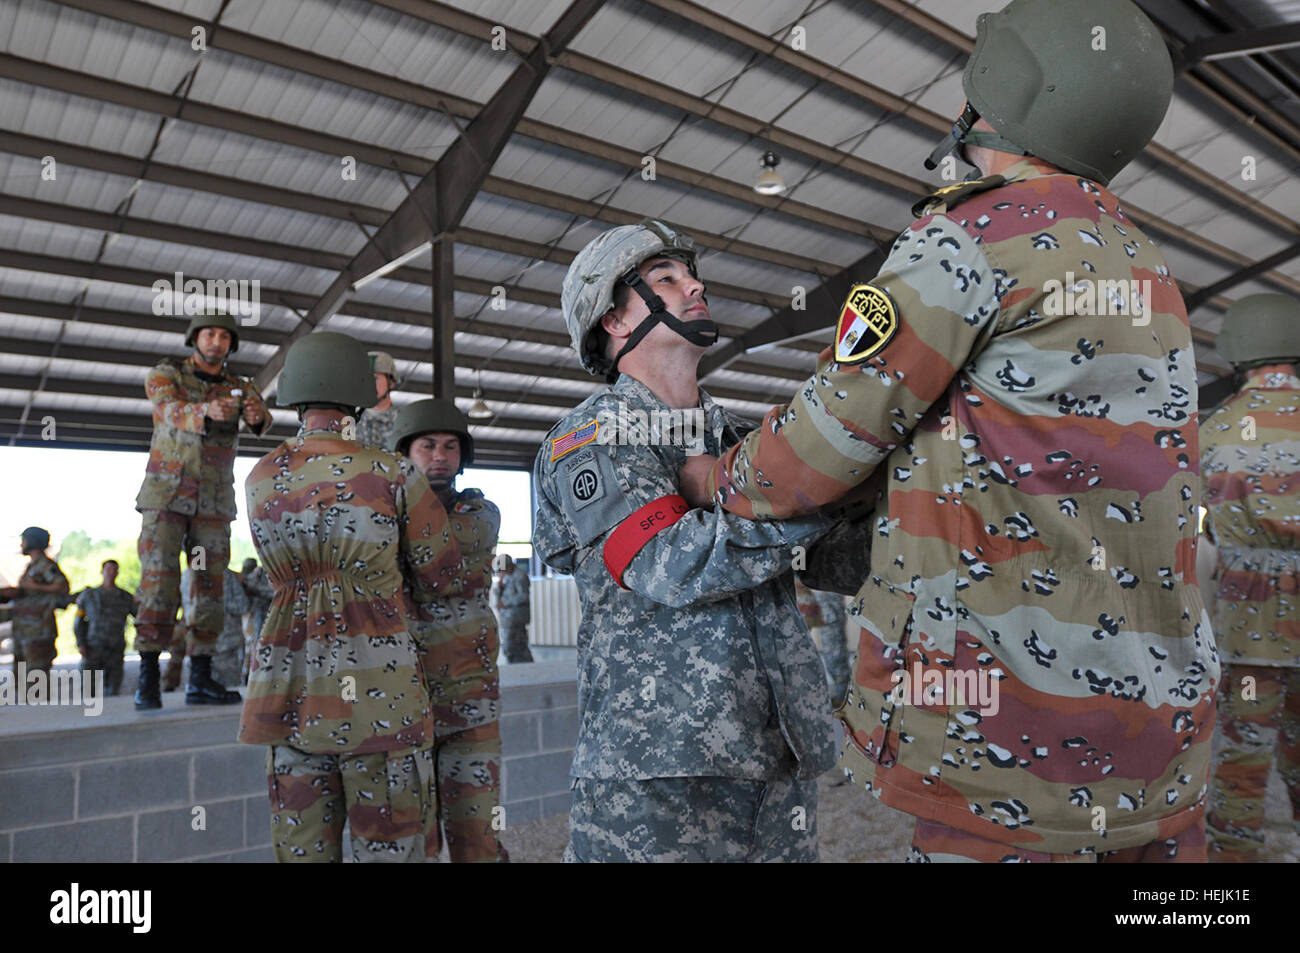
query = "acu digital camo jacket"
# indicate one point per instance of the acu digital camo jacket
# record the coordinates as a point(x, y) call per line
point(1036, 526)
point(692, 658)
point(1250, 461)
point(342, 529)
point(191, 467)
point(457, 635)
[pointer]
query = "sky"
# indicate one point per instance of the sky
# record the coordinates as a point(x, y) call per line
point(63, 490)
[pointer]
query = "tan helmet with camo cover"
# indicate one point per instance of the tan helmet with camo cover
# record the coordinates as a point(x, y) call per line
point(608, 259)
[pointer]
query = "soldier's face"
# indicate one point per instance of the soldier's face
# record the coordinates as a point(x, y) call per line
point(213, 344)
point(671, 280)
point(438, 455)
point(383, 384)
point(109, 572)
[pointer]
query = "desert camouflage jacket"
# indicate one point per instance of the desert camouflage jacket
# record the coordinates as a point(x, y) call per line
point(101, 616)
point(1250, 460)
point(457, 635)
point(692, 657)
point(342, 530)
point(1036, 524)
point(33, 612)
point(191, 457)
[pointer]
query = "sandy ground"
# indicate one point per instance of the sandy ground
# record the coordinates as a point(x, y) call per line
point(856, 828)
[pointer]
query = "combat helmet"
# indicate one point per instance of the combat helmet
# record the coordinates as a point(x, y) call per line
point(432, 415)
point(326, 367)
point(381, 362)
point(213, 319)
point(34, 538)
point(1081, 85)
point(1261, 328)
point(611, 259)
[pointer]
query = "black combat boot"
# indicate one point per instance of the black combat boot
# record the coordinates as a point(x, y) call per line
point(147, 695)
point(203, 689)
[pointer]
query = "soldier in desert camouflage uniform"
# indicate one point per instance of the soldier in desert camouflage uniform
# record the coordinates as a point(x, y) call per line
point(1250, 461)
point(457, 636)
point(187, 501)
point(375, 426)
point(100, 626)
point(41, 589)
point(1037, 516)
point(335, 689)
point(704, 717)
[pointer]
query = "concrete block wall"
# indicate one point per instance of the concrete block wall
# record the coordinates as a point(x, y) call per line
point(124, 787)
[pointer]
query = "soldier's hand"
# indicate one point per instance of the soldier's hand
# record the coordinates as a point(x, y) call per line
point(692, 480)
point(252, 413)
point(223, 409)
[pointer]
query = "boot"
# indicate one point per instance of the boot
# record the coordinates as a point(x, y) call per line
point(202, 689)
point(147, 696)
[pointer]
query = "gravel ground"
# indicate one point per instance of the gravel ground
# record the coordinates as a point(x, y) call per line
point(856, 828)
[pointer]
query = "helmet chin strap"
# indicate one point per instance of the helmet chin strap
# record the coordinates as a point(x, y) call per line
point(963, 134)
point(701, 333)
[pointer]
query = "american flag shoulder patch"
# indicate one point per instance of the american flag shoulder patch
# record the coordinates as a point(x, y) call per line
point(574, 439)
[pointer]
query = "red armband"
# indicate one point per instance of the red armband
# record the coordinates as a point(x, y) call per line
point(630, 536)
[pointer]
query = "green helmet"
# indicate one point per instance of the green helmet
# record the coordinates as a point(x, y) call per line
point(326, 367)
point(588, 290)
point(34, 537)
point(1259, 328)
point(213, 320)
point(1081, 85)
point(432, 415)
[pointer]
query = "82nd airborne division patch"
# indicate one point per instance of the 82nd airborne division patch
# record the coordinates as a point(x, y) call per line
point(867, 323)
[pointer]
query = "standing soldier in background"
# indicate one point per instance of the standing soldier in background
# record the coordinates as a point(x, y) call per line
point(100, 626)
point(516, 610)
point(457, 638)
point(41, 589)
point(336, 691)
point(823, 613)
point(258, 589)
point(375, 426)
point(188, 500)
point(228, 654)
point(1037, 522)
point(1250, 461)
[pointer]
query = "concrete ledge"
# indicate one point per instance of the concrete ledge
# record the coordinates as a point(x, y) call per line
point(124, 786)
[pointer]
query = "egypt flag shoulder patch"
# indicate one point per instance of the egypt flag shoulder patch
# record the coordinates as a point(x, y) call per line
point(867, 323)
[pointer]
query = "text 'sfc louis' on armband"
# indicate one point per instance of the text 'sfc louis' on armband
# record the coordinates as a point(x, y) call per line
point(630, 536)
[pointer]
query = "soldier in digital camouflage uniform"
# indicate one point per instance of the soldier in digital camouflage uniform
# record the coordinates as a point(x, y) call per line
point(457, 637)
point(100, 626)
point(375, 426)
point(1250, 460)
point(516, 609)
point(336, 690)
point(41, 589)
point(824, 611)
point(187, 501)
point(703, 713)
point(258, 588)
point(228, 655)
point(1037, 513)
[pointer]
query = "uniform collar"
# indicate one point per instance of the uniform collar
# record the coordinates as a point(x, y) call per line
point(636, 392)
point(318, 421)
point(1272, 377)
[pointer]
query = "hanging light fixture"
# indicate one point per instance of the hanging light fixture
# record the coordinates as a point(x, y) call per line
point(479, 410)
point(769, 181)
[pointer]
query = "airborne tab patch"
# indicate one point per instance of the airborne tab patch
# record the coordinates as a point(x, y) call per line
point(867, 323)
point(574, 439)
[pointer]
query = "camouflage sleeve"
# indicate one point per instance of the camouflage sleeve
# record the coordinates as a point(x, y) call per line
point(160, 386)
point(80, 624)
point(235, 597)
point(429, 551)
point(933, 304)
point(622, 502)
